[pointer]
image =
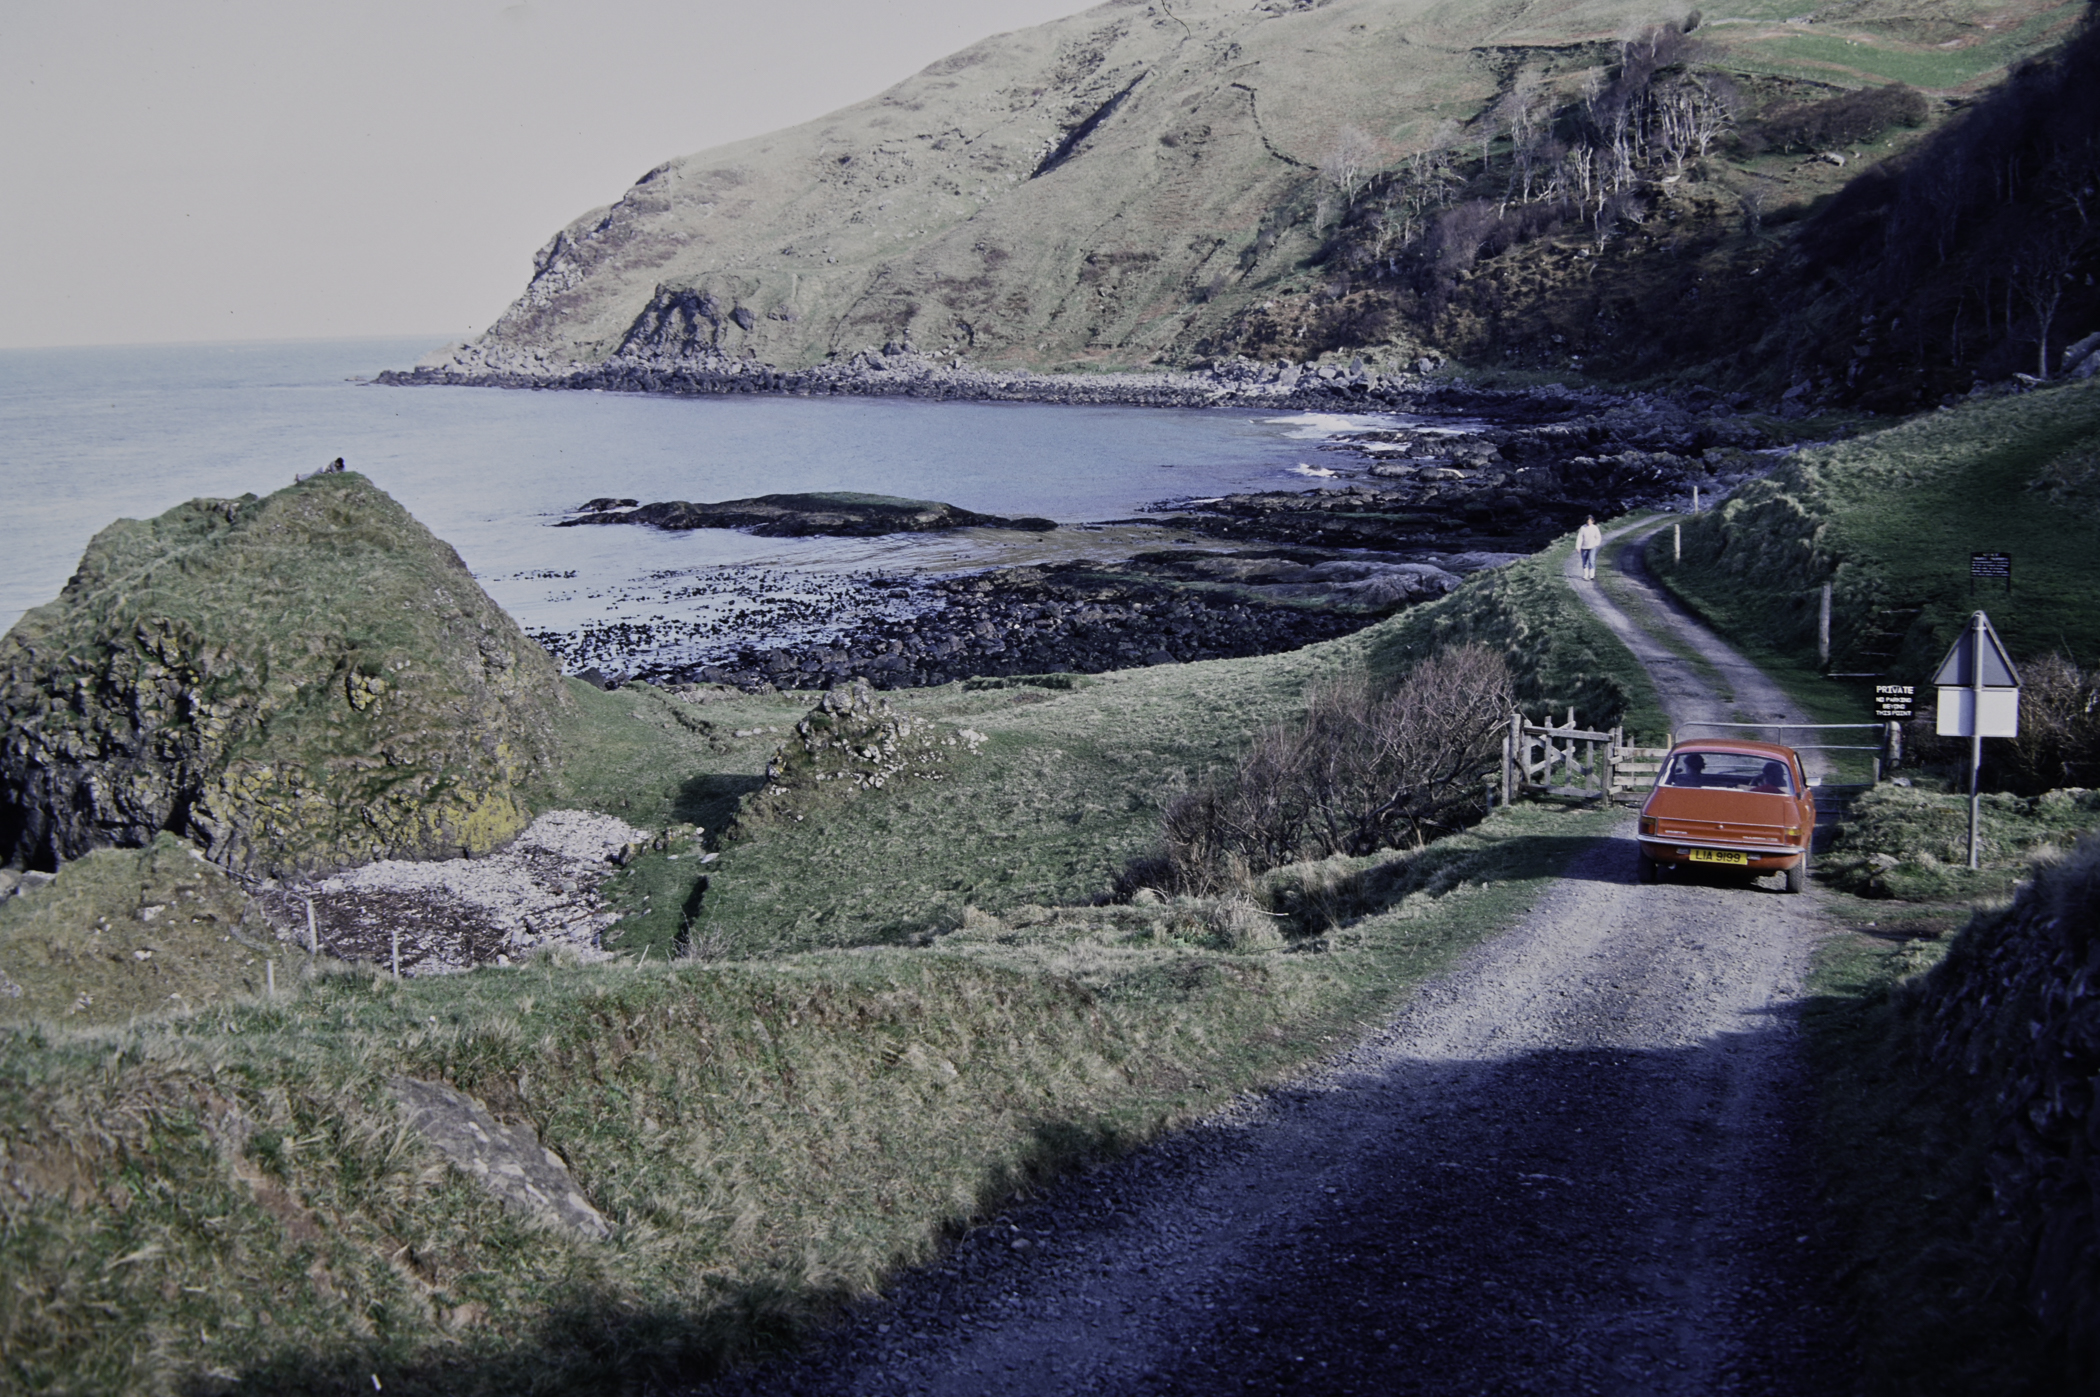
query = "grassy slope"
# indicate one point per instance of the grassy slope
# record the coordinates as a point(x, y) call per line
point(1901, 1156)
point(1890, 520)
point(1207, 177)
point(231, 1194)
point(1070, 785)
point(767, 1133)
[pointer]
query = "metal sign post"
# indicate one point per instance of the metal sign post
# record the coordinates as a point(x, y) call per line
point(1979, 698)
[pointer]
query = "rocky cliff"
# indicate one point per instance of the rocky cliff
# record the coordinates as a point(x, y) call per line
point(1153, 182)
point(297, 682)
point(2013, 1015)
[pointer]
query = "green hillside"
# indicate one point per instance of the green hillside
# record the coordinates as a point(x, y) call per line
point(1889, 520)
point(1127, 187)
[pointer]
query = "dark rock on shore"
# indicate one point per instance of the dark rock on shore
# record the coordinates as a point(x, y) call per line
point(840, 514)
point(1085, 618)
point(1506, 488)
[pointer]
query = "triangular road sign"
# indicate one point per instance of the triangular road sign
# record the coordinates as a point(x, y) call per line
point(1958, 670)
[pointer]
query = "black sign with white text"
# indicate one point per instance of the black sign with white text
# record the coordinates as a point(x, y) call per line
point(1897, 701)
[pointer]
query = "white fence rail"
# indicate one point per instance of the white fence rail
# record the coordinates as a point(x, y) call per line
point(1566, 760)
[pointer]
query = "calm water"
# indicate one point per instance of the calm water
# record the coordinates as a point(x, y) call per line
point(92, 435)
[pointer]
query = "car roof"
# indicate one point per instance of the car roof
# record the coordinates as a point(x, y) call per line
point(1730, 744)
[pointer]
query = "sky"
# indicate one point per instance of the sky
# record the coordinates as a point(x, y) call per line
point(196, 170)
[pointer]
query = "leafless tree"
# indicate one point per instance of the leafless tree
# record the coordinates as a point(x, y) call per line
point(2040, 271)
point(1350, 157)
point(1753, 201)
point(1367, 766)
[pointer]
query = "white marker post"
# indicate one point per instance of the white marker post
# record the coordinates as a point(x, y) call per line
point(1979, 698)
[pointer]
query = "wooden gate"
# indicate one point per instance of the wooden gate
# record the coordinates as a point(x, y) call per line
point(1566, 760)
point(1634, 769)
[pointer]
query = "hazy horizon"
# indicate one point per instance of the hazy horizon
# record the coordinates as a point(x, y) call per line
point(254, 173)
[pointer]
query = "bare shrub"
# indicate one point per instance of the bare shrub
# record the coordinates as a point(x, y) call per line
point(1846, 119)
point(1367, 766)
point(2059, 741)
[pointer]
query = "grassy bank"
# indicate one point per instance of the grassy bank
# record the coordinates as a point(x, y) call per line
point(1902, 1159)
point(1889, 520)
point(1955, 1069)
point(1562, 655)
point(1067, 787)
point(230, 1200)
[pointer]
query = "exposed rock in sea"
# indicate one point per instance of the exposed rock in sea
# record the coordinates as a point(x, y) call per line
point(299, 682)
point(843, 514)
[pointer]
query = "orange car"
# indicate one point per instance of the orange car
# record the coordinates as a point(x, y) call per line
point(1720, 803)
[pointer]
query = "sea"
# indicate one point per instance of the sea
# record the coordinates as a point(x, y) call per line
point(91, 435)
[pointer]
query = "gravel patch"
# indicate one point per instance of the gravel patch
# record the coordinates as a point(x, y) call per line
point(540, 893)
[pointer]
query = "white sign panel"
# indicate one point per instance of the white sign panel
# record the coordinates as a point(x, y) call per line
point(2001, 713)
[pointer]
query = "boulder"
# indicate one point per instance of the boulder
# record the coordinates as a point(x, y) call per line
point(295, 683)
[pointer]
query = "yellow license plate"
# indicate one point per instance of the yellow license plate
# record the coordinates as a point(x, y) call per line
point(1719, 856)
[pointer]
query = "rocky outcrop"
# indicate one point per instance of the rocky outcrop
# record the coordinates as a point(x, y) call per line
point(835, 514)
point(851, 744)
point(295, 683)
point(507, 1160)
point(2014, 1012)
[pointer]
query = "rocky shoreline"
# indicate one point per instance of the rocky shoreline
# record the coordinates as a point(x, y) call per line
point(899, 371)
point(836, 514)
point(1478, 473)
point(1079, 618)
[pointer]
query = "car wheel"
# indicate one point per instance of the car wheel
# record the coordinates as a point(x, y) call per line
point(1797, 876)
point(1645, 870)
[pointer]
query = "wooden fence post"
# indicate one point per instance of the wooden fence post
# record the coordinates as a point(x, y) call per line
point(1508, 755)
point(1823, 627)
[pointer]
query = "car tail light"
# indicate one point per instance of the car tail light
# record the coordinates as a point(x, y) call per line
point(1647, 824)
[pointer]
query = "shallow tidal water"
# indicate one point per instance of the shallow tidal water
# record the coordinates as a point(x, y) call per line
point(90, 435)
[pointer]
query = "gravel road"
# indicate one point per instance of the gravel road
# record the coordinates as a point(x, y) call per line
point(1576, 1163)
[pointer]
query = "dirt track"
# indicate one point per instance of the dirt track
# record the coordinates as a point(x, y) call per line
point(1574, 1164)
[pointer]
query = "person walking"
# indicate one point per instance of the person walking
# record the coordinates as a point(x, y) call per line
point(1588, 539)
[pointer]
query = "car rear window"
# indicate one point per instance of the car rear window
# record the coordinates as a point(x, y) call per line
point(1742, 771)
